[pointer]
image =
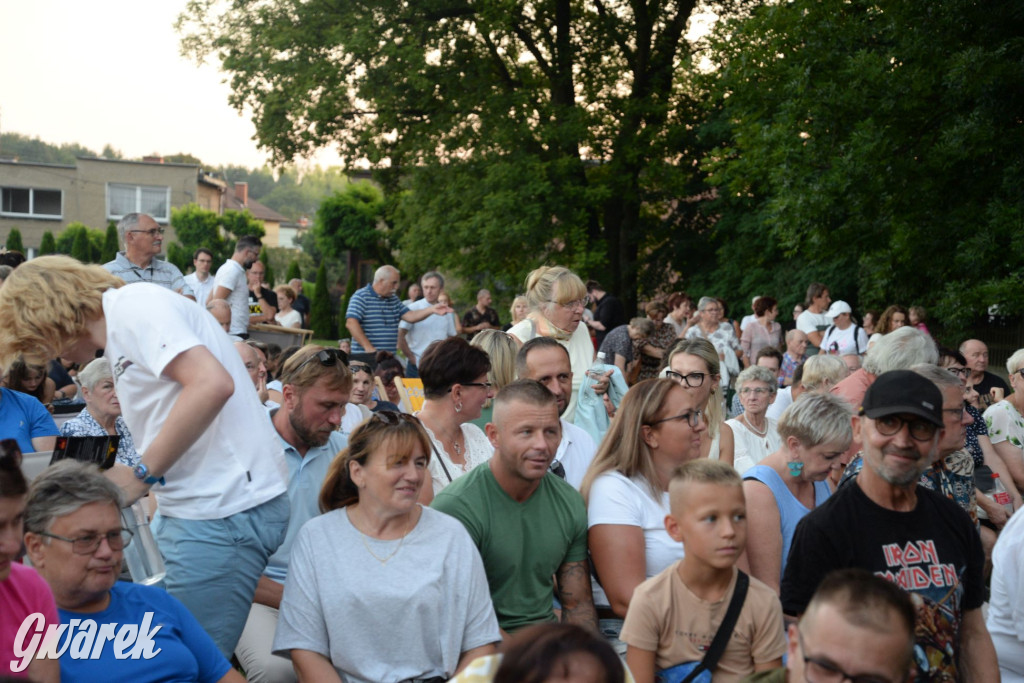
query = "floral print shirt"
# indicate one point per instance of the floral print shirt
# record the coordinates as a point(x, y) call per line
point(84, 424)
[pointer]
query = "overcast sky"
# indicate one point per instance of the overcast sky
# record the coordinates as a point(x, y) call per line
point(109, 71)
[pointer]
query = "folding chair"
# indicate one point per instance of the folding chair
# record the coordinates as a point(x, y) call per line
point(410, 393)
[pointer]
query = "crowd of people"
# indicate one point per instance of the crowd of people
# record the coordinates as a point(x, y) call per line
point(718, 501)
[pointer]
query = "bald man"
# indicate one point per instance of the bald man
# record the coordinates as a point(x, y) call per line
point(983, 381)
point(220, 309)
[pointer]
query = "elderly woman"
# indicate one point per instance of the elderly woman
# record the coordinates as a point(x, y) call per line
point(455, 389)
point(75, 540)
point(362, 388)
point(23, 593)
point(618, 344)
point(824, 373)
point(755, 434)
point(657, 343)
point(380, 588)
point(815, 432)
point(658, 427)
point(693, 364)
point(102, 413)
point(720, 333)
point(519, 309)
point(501, 349)
point(680, 312)
point(762, 331)
point(1005, 420)
point(557, 297)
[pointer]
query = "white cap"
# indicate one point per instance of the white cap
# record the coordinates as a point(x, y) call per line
point(837, 308)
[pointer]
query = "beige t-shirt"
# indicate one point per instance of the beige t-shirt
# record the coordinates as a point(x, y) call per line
point(665, 617)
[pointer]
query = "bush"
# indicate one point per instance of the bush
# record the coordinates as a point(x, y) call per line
point(14, 241)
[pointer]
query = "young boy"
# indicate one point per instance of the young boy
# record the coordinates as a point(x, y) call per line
point(673, 617)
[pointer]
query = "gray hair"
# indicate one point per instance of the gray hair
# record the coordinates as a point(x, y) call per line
point(816, 419)
point(704, 301)
point(822, 369)
point(5, 272)
point(940, 377)
point(1015, 362)
point(757, 373)
point(901, 349)
point(62, 489)
point(433, 275)
point(645, 326)
point(383, 273)
point(95, 372)
point(128, 222)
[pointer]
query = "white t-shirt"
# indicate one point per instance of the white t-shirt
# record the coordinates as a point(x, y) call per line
point(575, 451)
point(808, 322)
point(845, 342)
point(231, 276)
point(1006, 606)
point(783, 400)
point(750, 448)
point(200, 288)
point(238, 462)
point(290, 319)
point(617, 499)
point(427, 331)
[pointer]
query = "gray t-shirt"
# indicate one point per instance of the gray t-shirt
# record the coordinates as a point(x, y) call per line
point(409, 618)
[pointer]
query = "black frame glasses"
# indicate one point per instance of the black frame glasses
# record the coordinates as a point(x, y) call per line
point(692, 380)
point(87, 545)
point(152, 232)
point(692, 418)
point(827, 672)
point(920, 429)
point(960, 372)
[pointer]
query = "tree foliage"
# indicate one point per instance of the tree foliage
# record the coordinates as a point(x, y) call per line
point(81, 242)
point(110, 243)
point(197, 227)
point(878, 144)
point(13, 242)
point(48, 245)
point(268, 274)
point(25, 148)
point(294, 272)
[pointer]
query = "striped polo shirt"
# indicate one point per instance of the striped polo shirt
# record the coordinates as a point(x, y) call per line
point(379, 317)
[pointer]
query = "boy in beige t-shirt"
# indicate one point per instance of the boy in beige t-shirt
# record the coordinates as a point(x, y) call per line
point(673, 617)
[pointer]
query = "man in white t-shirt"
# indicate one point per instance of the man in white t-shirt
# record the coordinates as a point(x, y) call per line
point(208, 451)
point(546, 361)
point(232, 285)
point(814, 320)
point(201, 280)
point(414, 338)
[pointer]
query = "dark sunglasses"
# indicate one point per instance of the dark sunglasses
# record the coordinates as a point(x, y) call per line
point(327, 357)
point(392, 418)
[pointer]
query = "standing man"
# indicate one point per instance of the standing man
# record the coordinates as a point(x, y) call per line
point(528, 524)
point(481, 316)
point(796, 354)
point(983, 381)
point(208, 451)
point(142, 240)
point(917, 538)
point(231, 283)
point(313, 400)
point(608, 313)
point(262, 300)
point(544, 360)
point(201, 281)
point(301, 303)
point(414, 338)
point(374, 312)
point(814, 320)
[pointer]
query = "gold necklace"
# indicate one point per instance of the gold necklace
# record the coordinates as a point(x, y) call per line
point(383, 560)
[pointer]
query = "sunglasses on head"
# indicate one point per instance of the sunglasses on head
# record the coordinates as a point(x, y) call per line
point(327, 358)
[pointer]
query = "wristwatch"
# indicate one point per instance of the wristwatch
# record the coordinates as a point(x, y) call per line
point(142, 474)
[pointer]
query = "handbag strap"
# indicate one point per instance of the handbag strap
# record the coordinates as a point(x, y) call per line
point(440, 461)
point(724, 632)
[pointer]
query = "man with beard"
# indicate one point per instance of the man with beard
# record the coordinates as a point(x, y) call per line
point(917, 538)
point(232, 284)
point(315, 387)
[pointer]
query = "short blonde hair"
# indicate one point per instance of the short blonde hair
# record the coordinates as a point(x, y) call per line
point(501, 349)
point(700, 471)
point(823, 371)
point(549, 285)
point(47, 303)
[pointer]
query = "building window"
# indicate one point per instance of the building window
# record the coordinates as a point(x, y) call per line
point(125, 199)
point(31, 202)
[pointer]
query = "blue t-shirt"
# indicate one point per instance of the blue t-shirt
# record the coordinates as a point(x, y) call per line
point(24, 418)
point(183, 650)
point(379, 317)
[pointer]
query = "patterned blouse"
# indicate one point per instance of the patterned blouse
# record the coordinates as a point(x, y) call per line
point(1005, 424)
point(663, 337)
point(724, 336)
point(84, 424)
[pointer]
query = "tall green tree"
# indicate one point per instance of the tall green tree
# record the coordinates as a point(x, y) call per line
point(320, 306)
point(14, 241)
point(197, 227)
point(82, 242)
point(110, 243)
point(506, 134)
point(294, 272)
point(48, 245)
point(268, 276)
point(878, 143)
point(80, 247)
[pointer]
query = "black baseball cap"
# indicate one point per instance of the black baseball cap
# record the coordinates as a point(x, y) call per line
point(903, 391)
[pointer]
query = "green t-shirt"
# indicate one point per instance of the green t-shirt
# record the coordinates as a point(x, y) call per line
point(770, 676)
point(522, 544)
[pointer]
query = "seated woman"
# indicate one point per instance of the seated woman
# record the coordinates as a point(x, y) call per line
point(755, 435)
point(655, 345)
point(75, 540)
point(31, 380)
point(657, 428)
point(455, 388)
point(22, 592)
point(815, 432)
point(501, 349)
point(102, 413)
point(380, 588)
point(286, 316)
point(362, 389)
point(388, 368)
point(619, 344)
point(694, 364)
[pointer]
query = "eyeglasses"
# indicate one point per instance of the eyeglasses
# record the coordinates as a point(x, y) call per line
point(87, 545)
point(692, 380)
point(920, 430)
point(486, 385)
point(153, 232)
point(356, 366)
point(327, 357)
point(957, 412)
point(692, 418)
point(962, 372)
point(757, 391)
point(819, 671)
point(578, 303)
point(10, 454)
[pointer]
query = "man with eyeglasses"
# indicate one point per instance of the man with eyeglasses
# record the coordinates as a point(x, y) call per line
point(917, 538)
point(857, 628)
point(142, 239)
point(232, 283)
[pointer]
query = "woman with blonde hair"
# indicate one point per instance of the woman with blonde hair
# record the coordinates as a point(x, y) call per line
point(556, 298)
point(519, 309)
point(694, 364)
point(502, 350)
point(824, 372)
point(658, 427)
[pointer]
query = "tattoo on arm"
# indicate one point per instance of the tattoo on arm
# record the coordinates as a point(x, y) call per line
point(574, 592)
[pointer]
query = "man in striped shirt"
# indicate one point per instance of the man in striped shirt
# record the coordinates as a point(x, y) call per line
point(374, 312)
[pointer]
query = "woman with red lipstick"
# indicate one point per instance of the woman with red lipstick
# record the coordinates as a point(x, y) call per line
point(22, 591)
point(380, 588)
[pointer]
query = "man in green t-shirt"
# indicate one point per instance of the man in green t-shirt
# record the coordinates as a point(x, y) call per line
point(528, 524)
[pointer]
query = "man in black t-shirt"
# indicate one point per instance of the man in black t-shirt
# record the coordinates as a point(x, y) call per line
point(262, 301)
point(980, 379)
point(912, 536)
point(608, 313)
